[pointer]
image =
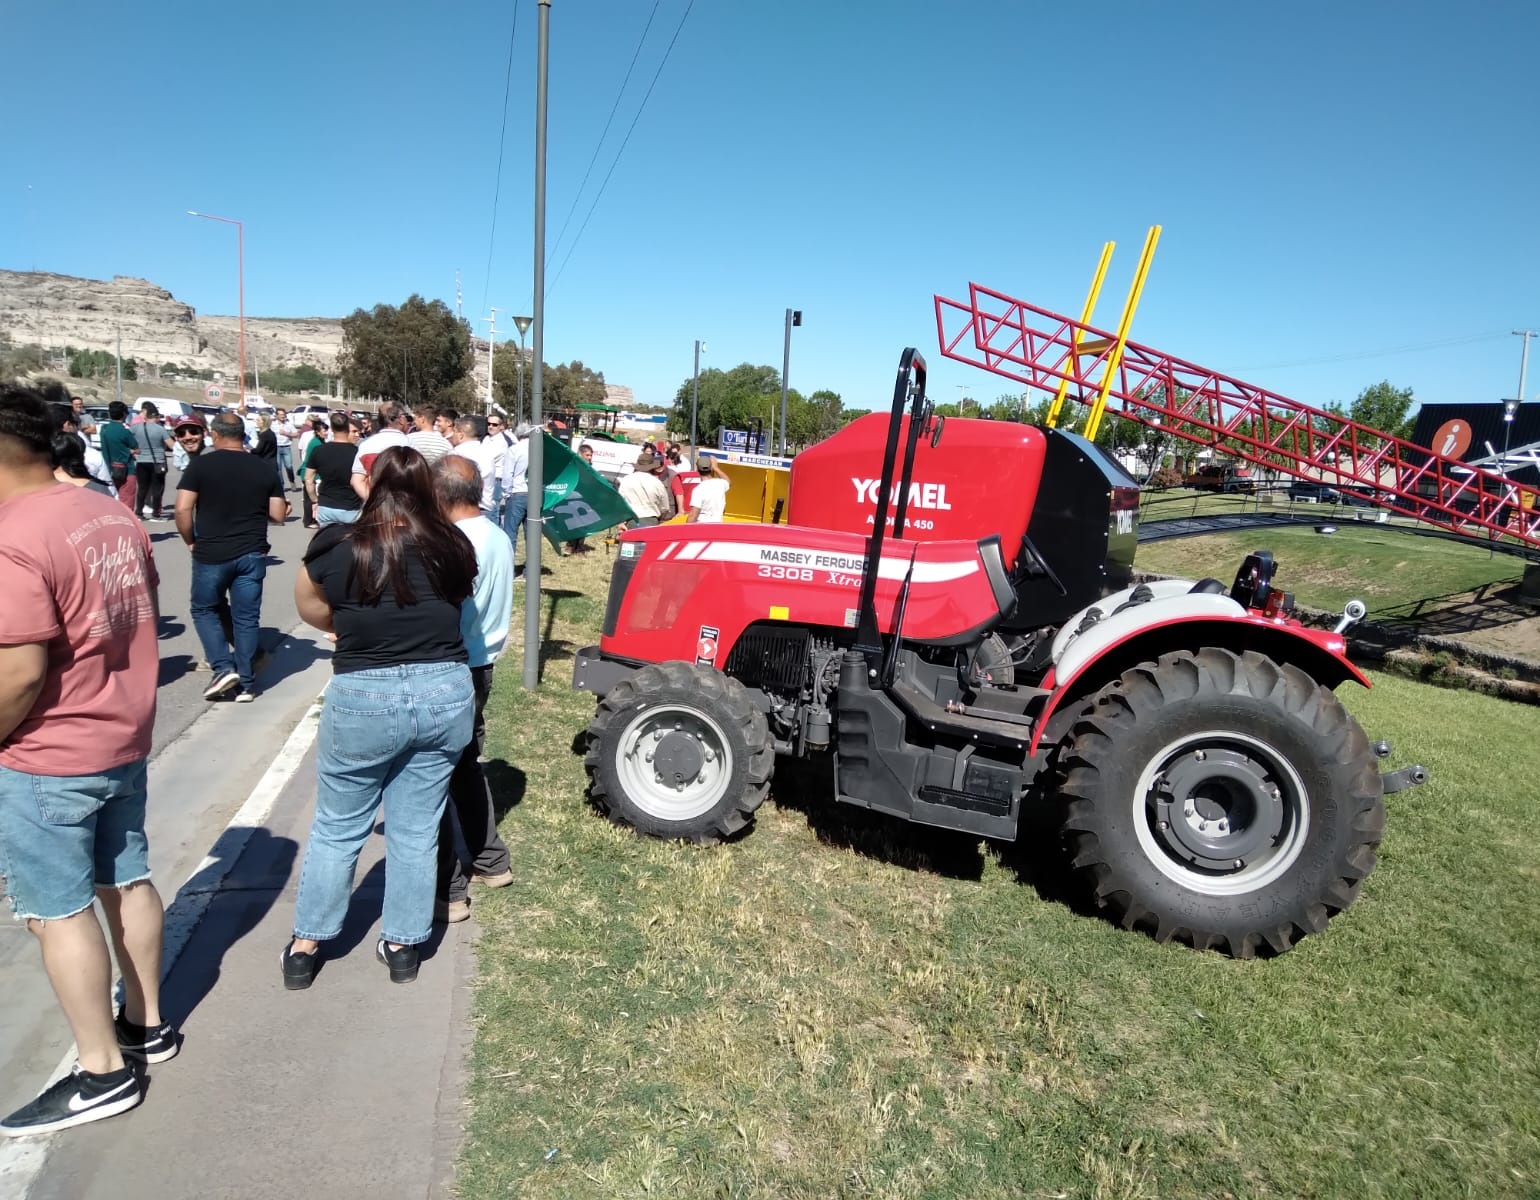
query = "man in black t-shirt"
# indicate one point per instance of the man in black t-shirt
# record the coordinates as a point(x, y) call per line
point(330, 474)
point(224, 503)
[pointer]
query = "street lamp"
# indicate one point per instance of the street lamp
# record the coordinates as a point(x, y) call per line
point(491, 352)
point(1510, 407)
point(240, 283)
point(793, 317)
point(523, 323)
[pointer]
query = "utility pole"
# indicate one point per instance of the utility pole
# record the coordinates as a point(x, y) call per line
point(793, 317)
point(536, 471)
point(491, 350)
point(459, 299)
point(1526, 334)
point(695, 400)
point(119, 332)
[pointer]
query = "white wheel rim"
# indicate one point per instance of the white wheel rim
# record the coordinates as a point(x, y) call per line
point(673, 799)
point(1261, 869)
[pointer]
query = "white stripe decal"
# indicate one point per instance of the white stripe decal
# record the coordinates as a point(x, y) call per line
point(892, 567)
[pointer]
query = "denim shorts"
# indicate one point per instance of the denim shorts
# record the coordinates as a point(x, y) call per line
point(64, 836)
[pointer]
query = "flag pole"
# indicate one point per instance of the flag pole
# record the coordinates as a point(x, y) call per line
point(535, 530)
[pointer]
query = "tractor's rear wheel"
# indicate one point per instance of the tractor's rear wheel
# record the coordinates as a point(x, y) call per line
point(678, 751)
point(1224, 800)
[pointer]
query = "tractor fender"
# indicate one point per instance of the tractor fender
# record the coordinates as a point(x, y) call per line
point(1159, 589)
point(1186, 622)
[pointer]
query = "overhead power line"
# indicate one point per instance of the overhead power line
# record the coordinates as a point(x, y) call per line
point(624, 143)
point(497, 186)
point(1336, 358)
point(599, 145)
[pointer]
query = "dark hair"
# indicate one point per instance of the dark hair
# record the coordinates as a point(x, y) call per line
point(25, 426)
point(389, 413)
point(60, 415)
point(457, 482)
point(117, 410)
point(471, 426)
point(229, 426)
point(55, 392)
point(69, 455)
point(150, 412)
point(402, 510)
point(341, 421)
point(447, 414)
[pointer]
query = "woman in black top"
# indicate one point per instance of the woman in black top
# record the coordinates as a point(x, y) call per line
point(398, 712)
point(266, 443)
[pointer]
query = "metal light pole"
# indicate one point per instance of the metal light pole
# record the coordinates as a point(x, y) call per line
point(1526, 334)
point(793, 317)
point(491, 352)
point(536, 472)
point(240, 284)
point(523, 323)
point(119, 332)
point(694, 401)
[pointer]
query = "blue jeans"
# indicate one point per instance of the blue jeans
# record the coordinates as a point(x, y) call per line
point(240, 579)
point(391, 736)
point(336, 516)
point(64, 836)
point(515, 508)
point(285, 464)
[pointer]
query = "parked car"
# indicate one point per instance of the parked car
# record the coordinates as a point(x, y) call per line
point(308, 412)
point(1222, 477)
point(1314, 490)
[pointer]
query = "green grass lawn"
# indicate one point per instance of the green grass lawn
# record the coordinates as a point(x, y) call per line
point(1390, 571)
point(839, 1006)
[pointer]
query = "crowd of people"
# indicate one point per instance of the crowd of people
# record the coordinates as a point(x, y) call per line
point(410, 573)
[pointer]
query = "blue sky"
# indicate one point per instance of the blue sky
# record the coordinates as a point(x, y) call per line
point(1335, 181)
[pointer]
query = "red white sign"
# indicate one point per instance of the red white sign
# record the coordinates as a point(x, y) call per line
point(214, 392)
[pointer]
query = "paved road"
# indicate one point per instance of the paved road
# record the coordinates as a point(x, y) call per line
point(206, 759)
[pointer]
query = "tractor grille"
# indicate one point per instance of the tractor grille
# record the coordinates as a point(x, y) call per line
point(770, 657)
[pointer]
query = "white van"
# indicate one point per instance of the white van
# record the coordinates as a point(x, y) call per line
point(169, 409)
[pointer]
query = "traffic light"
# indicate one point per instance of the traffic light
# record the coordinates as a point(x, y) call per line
point(796, 317)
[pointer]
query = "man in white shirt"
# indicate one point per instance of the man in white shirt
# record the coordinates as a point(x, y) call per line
point(467, 440)
point(390, 426)
point(645, 491)
point(484, 620)
point(284, 431)
point(516, 486)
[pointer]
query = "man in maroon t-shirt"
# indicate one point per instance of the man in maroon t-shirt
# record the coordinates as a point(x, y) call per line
point(78, 671)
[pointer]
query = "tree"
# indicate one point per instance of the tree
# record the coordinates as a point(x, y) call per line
point(728, 400)
point(416, 353)
point(1385, 408)
point(567, 385)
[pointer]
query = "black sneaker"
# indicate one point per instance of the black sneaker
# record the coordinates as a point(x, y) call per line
point(76, 1099)
point(148, 1043)
point(298, 969)
point(402, 963)
point(223, 682)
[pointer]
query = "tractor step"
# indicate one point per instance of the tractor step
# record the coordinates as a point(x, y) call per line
point(938, 720)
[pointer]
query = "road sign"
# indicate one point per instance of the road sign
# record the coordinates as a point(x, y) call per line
point(213, 392)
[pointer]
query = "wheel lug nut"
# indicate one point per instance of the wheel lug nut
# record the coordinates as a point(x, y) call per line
point(649, 757)
point(1199, 755)
point(1164, 825)
point(1239, 863)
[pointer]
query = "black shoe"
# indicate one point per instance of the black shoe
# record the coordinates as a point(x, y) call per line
point(224, 681)
point(298, 969)
point(403, 963)
point(151, 1044)
point(77, 1098)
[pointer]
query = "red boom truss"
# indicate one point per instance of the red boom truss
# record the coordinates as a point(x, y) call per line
point(1041, 349)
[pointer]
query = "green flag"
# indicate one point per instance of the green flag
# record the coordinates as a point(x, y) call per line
point(578, 502)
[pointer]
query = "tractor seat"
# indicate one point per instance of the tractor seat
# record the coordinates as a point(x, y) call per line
point(1207, 587)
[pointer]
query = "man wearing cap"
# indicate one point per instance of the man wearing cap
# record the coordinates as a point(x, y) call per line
point(224, 502)
point(644, 490)
point(190, 433)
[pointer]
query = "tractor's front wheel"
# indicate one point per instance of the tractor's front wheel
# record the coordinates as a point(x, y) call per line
point(1225, 800)
point(678, 751)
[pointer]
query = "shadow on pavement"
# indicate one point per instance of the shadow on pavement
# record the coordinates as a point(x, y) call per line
point(361, 927)
point(281, 656)
point(243, 899)
point(173, 667)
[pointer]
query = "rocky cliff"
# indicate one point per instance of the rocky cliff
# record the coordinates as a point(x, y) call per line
point(55, 311)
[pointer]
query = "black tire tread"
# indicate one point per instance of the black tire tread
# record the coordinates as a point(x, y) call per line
point(1122, 707)
point(704, 687)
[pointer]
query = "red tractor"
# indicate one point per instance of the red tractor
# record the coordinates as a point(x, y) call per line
point(1212, 788)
